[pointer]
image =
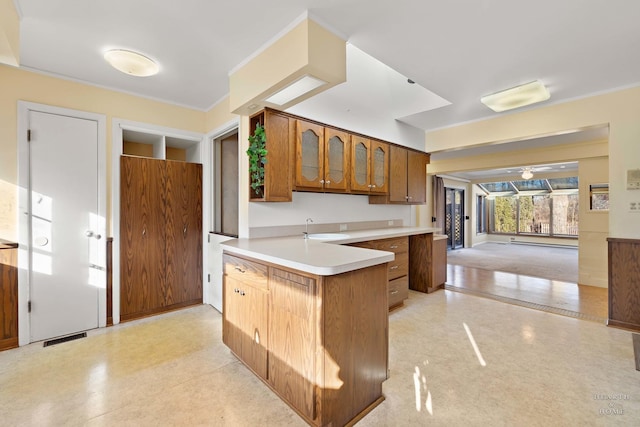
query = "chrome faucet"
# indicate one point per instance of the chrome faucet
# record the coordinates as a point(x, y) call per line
point(306, 228)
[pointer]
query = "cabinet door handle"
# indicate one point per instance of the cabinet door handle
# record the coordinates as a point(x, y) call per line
point(240, 270)
point(395, 267)
point(393, 247)
point(322, 181)
point(144, 231)
point(184, 231)
point(241, 293)
point(328, 182)
point(373, 186)
point(236, 290)
point(395, 291)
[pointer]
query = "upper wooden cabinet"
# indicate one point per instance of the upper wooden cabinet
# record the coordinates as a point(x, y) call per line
point(304, 155)
point(322, 158)
point(369, 166)
point(407, 177)
point(277, 170)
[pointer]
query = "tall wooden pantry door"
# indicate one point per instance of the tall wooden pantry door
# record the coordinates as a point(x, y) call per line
point(184, 233)
point(161, 235)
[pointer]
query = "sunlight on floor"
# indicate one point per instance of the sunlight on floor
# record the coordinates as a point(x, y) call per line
point(420, 383)
point(475, 346)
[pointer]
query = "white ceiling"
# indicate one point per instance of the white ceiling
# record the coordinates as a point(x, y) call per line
point(459, 50)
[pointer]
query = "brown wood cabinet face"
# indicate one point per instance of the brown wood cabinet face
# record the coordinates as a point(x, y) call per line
point(355, 341)
point(624, 283)
point(426, 263)
point(292, 367)
point(397, 174)
point(245, 307)
point(161, 236)
point(184, 232)
point(8, 298)
point(379, 167)
point(397, 269)
point(309, 155)
point(360, 164)
point(407, 177)
point(336, 160)
point(278, 181)
point(142, 235)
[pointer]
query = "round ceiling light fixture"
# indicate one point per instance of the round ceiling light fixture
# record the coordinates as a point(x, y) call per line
point(132, 63)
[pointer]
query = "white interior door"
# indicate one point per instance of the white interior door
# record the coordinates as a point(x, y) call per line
point(66, 250)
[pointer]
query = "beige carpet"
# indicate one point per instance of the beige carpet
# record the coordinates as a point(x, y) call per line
point(554, 263)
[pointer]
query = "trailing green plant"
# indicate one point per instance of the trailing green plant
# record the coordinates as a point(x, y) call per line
point(257, 153)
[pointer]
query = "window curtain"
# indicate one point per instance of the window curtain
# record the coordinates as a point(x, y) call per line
point(438, 202)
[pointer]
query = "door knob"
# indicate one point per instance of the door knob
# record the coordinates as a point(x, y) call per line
point(88, 233)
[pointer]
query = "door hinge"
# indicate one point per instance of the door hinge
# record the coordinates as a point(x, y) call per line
point(209, 278)
point(29, 307)
point(208, 238)
point(29, 135)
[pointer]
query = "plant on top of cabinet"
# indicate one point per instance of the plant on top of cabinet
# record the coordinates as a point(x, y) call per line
point(274, 182)
point(257, 153)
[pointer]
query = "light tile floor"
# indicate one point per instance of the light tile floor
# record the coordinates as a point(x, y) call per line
point(532, 369)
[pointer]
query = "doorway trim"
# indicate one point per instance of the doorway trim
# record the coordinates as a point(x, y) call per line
point(24, 237)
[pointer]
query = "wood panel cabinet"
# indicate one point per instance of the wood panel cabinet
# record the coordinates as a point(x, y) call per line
point(369, 166)
point(398, 269)
point(624, 283)
point(427, 262)
point(407, 177)
point(278, 185)
point(8, 296)
point(245, 307)
point(292, 366)
point(323, 339)
point(322, 158)
point(161, 235)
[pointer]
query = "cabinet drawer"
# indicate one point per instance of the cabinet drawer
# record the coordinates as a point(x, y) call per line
point(400, 266)
point(395, 244)
point(398, 291)
point(246, 271)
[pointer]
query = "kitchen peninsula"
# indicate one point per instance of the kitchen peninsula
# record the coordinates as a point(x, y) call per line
point(310, 317)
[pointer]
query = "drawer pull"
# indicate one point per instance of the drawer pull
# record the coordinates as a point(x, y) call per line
point(240, 270)
point(395, 267)
point(241, 293)
point(236, 290)
point(393, 246)
point(395, 291)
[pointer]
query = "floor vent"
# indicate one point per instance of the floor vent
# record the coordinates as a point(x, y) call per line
point(65, 339)
point(527, 304)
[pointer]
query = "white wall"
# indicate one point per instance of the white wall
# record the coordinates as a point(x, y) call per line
point(326, 208)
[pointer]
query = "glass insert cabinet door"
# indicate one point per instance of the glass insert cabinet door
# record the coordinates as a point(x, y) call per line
point(379, 167)
point(336, 164)
point(361, 169)
point(309, 155)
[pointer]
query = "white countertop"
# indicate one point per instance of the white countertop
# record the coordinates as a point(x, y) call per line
point(323, 258)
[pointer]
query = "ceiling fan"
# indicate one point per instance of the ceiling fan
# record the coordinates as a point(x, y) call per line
point(527, 172)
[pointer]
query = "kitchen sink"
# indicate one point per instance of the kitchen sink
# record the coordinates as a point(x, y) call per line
point(328, 236)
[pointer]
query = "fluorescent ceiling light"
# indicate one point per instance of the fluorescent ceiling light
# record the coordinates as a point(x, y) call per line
point(295, 90)
point(131, 63)
point(527, 173)
point(516, 97)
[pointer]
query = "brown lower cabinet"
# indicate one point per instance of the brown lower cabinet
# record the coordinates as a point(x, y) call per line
point(624, 283)
point(323, 339)
point(8, 296)
point(398, 287)
point(160, 235)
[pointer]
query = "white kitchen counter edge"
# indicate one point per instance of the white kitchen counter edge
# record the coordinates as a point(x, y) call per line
point(323, 258)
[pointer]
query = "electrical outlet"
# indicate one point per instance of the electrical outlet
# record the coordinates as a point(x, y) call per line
point(390, 222)
point(634, 207)
point(343, 227)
